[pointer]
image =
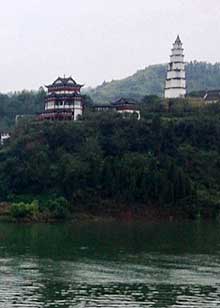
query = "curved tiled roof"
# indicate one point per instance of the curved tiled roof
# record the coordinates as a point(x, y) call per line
point(124, 101)
point(63, 82)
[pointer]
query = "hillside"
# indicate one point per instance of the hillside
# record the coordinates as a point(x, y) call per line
point(110, 164)
point(200, 76)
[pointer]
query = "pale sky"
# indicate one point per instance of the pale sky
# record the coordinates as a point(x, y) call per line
point(97, 40)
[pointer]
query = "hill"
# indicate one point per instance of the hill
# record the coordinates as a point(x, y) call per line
point(150, 81)
point(106, 164)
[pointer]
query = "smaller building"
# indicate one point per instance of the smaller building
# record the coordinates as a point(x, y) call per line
point(122, 105)
point(63, 100)
point(25, 117)
point(5, 137)
point(212, 96)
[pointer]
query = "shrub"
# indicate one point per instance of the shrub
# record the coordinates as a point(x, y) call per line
point(58, 207)
point(22, 210)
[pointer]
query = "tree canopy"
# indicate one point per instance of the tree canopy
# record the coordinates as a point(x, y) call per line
point(167, 159)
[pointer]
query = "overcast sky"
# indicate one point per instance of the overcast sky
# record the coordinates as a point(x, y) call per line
point(97, 40)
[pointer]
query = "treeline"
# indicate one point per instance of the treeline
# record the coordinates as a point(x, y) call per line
point(108, 163)
point(150, 81)
point(19, 103)
point(201, 76)
point(28, 103)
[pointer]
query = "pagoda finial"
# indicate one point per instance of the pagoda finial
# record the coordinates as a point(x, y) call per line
point(178, 40)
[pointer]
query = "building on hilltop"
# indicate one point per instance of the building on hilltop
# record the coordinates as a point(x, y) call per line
point(205, 96)
point(126, 106)
point(122, 105)
point(212, 96)
point(176, 76)
point(63, 100)
point(5, 137)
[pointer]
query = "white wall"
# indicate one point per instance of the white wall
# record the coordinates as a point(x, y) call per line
point(175, 93)
point(77, 112)
point(131, 111)
point(176, 74)
point(176, 83)
point(177, 58)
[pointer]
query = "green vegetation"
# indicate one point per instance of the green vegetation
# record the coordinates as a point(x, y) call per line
point(109, 164)
point(21, 103)
point(42, 208)
point(105, 163)
point(27, 103)
point(22, 210)
point(150, 81)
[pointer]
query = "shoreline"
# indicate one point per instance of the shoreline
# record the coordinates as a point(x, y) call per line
point(113, 212)
point(149, 215)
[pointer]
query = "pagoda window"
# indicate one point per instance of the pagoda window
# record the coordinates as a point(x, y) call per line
point(77, 104)
point(50, 105)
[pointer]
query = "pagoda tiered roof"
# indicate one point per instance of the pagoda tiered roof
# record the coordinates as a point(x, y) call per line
point(64, 83)
point(124, 101)
point(54, 95)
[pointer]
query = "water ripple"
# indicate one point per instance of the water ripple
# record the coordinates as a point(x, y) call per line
point(45, 283)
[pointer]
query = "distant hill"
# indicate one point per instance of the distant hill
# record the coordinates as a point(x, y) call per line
point(150, 81)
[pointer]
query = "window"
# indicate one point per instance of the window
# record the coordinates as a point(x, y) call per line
point(77, 104)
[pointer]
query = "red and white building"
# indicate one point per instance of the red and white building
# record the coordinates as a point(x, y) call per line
point(63, 100)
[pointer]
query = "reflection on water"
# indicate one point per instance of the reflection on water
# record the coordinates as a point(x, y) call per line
point(110, 265)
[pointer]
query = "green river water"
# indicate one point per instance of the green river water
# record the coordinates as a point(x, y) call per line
point(110, 264)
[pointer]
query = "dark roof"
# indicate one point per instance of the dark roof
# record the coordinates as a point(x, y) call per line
point(212, 95)
point(63, 82)
point(124, 101)
point(102, 105)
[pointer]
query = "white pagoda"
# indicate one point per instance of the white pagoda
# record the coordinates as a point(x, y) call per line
point(176, 75)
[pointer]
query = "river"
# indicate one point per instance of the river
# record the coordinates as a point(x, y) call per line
point(110, 264)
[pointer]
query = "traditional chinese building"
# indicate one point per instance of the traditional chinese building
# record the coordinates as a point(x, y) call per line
point(5, 137)
point(176, 77)
point(126, 106)
point(212, 96)
point(63, 100)
point(122, 105)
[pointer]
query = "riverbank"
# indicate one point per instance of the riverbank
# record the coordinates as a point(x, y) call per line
point(164, 167)
point(149, 214)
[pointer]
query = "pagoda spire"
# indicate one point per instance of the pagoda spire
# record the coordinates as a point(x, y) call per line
point(178, 40)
